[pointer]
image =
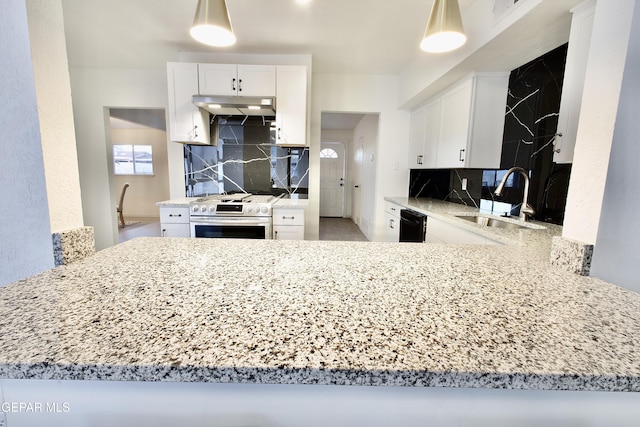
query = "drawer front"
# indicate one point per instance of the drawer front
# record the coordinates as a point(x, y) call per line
point(288, 217)
point(392, 208)
point(174, 215)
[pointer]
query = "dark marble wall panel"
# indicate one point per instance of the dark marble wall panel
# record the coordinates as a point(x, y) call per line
point(245, 160)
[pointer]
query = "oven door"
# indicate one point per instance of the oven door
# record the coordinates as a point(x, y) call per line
point(231, 228)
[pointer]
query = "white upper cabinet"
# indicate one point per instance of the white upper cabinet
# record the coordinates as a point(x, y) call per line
point(424, 134)
point(291, 105)
point(573, 85)
point(473, 122)
point(237, 80)
point(455, 128)
point(187, 123)
point(462, 127)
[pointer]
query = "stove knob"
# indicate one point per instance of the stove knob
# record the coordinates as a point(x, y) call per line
point(195, 209)
point(256, 209)
point(264, 209)
point(203, 209)
point(212, 208)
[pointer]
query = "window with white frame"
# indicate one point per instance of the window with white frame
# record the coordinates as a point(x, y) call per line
point(132, 160)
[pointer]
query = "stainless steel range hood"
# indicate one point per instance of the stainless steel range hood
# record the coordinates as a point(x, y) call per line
point(236, 105)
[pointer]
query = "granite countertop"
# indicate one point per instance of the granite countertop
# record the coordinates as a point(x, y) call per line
point(536, 239)
point(318, 312)
point(182, 202)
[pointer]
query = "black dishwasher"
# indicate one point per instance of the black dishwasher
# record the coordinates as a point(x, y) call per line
point(413, 226)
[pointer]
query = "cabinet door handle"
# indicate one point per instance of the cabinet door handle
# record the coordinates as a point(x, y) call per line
point(419, 160)
point(176, 215)
point(233, 85)
point(275, 235)
point(288, 217)
point(460, 157)
point(164, 232)
point(240, 85)
point(391, 224)
point(279, 133)
point(195, 131)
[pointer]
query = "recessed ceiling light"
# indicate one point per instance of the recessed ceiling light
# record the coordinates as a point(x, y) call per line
point(303, 1)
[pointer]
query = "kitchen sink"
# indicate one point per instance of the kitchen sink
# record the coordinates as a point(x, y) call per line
point(497, 222)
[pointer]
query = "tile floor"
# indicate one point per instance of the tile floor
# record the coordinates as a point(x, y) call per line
point(343, 229)
point(143, 227)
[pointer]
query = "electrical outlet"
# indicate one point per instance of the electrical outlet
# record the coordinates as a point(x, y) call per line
point(464, 184)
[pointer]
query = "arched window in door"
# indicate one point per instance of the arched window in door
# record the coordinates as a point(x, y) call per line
point(328, 153)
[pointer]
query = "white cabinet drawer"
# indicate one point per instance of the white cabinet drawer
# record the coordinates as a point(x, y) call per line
point(175, 230)
point(392, 208)
point(174, 215)
point(288, 217)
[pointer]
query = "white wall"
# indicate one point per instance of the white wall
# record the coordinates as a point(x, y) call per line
point(144, 191)
point(376, 94)
point(93, 91)
point(25, 234)
point(53, 89)
point(603, 80)
point(617, 251)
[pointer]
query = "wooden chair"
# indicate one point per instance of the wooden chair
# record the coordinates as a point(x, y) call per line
point(122, 224)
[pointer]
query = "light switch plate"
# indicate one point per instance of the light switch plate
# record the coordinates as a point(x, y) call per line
point(464, 184)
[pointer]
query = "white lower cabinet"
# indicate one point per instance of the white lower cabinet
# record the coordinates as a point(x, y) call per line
point(392, 222)
point(174, 222)
point(288, 224)
point(443, 232)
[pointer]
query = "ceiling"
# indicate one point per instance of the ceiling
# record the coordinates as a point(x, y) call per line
point(343, 36)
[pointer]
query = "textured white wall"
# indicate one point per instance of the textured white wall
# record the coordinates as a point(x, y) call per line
point(25, 235)
point(365, 94)
point(49, 53)
point(603, 79)
point(144, 191)
point(93, 91)
point(616, 256)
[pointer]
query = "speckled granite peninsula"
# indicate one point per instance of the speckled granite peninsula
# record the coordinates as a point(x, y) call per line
point(312, 312)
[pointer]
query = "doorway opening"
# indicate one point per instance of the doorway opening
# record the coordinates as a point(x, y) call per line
point(339, 177)
point(138, 168)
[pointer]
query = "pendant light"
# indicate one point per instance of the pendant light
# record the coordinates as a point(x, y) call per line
point(444, 30)
point(211, 24)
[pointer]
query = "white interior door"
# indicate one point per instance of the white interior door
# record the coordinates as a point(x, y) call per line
point(332, 179)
